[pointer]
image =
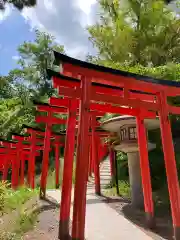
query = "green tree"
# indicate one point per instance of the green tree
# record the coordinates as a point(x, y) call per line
point(34, 58)
point(27, 83)
point(19, 4)
point(134, 32)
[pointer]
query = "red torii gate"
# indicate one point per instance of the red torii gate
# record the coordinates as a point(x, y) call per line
point(71, 82)
point(25, 144)
point(48, 120)
point(9, 153)
point(130, 86)
point(55, 138)
point(4, 162)
point(71, 105)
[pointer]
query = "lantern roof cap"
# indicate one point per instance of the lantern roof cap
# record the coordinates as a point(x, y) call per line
point(115, 123)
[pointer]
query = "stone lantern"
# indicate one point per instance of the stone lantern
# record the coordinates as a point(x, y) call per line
point(126, 141)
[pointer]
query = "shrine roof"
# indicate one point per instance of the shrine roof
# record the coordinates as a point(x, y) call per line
point(59, 57)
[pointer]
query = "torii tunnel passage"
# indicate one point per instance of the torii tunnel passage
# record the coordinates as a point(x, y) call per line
point(26, 143)
point(13, 153)
point(48, 120)
point(103, 109)
point(71, 106)
point(55, 138)
point(9, 154)
point(139, 96)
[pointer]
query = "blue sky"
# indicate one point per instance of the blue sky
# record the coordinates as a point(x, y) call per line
point(65, 20)
point(14, 31)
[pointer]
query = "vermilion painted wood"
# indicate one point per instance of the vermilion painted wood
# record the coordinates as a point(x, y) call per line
point(22, 167)
point(95, 147)
point(170, 163)
point(27, 157)
point(31, 164)
point(90, 157)
point(45, 160)
point(57, 144)
point(5, 167)
point(12, 152)
point(130, 83)
point(70, 92)
point(117, 80)
point(40, 133)
point(145, 172)
point(18, 162)
point(53, 120)
point(104, 90)
point(6, 146)
point(15, 170)
point(173, 109)
point(135, 103)
point(78, 224)
point(34, 134)
point(104, 108)
point(45, 108)
point(68, 170)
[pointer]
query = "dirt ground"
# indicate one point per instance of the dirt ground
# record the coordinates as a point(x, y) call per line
point(46, 227)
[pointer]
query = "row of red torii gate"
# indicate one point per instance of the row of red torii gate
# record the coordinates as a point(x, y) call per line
point(87, 91)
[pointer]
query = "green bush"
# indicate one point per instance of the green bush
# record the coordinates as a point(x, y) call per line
point(3, 190)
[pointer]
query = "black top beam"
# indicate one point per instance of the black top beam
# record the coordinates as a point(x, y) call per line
point(46, 104)
point(59, 57)
point(40, 130)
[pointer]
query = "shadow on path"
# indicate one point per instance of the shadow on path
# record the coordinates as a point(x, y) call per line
point(123, 206)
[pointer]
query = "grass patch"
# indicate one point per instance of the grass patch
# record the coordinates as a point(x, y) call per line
point(124, 189)
point(19, 220)
point(24, 223)
point(15, 199)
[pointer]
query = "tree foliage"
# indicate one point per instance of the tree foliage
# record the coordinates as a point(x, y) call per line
point(27, 83)
point(34, 59)
point(135, 32)
point(19, 4)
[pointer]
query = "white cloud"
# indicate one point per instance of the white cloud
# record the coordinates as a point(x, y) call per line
point(66, 20)
point(4, 14)
point(15, 58)
point(85, 5)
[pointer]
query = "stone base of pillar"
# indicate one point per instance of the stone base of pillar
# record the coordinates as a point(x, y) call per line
point(176, 233)
point(64, 230)
point(150, 221)
point(98, 193)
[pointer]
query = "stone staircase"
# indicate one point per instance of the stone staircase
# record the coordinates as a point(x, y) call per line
point(105, 175)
